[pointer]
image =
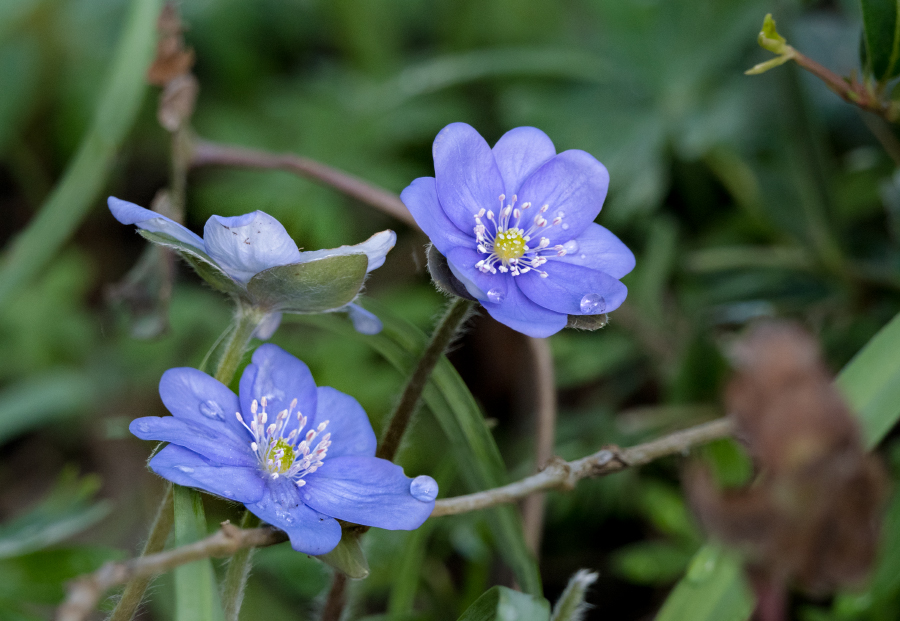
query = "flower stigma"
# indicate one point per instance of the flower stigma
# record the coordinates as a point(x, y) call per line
point(281, 455)
point(506, 242)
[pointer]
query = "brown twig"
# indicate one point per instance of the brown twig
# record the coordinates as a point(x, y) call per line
point(206, 153)
point(545, 436)
point(564, 475)
point(86, 591)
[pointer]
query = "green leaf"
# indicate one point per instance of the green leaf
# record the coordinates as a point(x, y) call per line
point(348, 557)
point(713, 589)
point(651, 562)
point(65, 511)
point(196, 593)
point(39, 577)
point(503, 604)
point(456, 411)
point(313, 287)
point(881, 38)
point(86, 174)
point(871, 383)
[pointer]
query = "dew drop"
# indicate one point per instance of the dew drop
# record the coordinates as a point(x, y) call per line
point(211, 409)
point(143, 427)
point(496, 295)
point(571, 247)
point(423, 488)
point(228, 493)
point(584, 256)
point(593, 304)
point(184, 469)
point(307, 497)
point(565, 226)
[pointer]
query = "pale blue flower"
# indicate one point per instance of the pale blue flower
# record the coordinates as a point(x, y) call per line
point(516, 225)
point(298, 456)
point(243, 246)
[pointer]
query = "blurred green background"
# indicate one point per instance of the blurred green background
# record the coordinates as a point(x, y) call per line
point(741, 197)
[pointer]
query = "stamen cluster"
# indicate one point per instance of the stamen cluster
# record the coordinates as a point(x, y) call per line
point(281, 455)
point(506, 243)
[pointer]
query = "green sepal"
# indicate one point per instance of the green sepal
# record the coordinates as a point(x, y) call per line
point(587, 322)
point(313, 287)
point(348, 557)
point(502, 604)
point(443, 278)
point(202, 263)
point(769, 39)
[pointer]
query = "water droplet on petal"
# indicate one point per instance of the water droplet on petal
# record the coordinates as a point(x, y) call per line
point(228, 493)
point(307, 497)
point(593, 304)
point(571, 247)
point(143, 427)
point(496, 295)
point(211, 409)
point(184, 469)
point(565, 226)
point(584, 256)
point(423, 488)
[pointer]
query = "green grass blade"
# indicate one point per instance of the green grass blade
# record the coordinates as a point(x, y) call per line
point(871, 384)
point(456, 411)
point(86, 174)
point(196, 592)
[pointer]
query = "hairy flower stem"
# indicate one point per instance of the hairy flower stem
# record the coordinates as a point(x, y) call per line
point(334, 605)
point(448, 327)
point(246, 321)
point(156, 541)
point(236, 577)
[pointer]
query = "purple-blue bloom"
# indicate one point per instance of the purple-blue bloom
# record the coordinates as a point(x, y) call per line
point(243, 246)
point(516, 225)
point(297, 455)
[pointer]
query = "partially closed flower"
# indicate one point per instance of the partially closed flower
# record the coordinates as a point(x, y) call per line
point(253, 257)
point(516, 225)
point(298, 456)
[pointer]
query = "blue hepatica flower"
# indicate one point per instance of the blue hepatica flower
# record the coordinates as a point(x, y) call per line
point(516, 224)
point(298, 456)
point(242, 247)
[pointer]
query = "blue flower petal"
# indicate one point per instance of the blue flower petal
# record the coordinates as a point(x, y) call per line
point(310, 531)
point(365, 490)
point(280, 378)
point(598, 249)
point(523, 315)
point(348, 424)
point(185, 467)
point(461, 262)
point(364, 322)
point(375, 248)
point(194, 396)
point(420, 197)
point(246, 245)
point(466, 175)
point(520, 152)
point(129, 213)
point(572, 183)
point(217, 447)
point(567, 285)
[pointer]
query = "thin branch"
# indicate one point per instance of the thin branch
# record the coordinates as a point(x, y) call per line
point(207, 153)
point(564, 475)
point(448, 327)
point(545, 437)
point(84, 593)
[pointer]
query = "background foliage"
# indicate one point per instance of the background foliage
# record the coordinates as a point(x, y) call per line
point(741, 197)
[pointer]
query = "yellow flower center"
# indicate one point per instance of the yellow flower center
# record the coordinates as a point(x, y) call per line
point(510, 244)
point(287, 458)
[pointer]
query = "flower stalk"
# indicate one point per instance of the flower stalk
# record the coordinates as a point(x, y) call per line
point(238, 571)
point(247, 319)
point(446, 331)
